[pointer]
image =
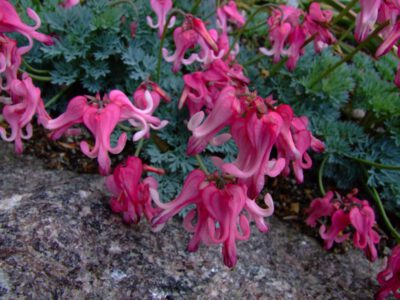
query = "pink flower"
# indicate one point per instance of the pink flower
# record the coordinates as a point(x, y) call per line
point(192, 32)
point(389, 278)
point(225, 108)
point(74, 113)
point(69, 3)
point(366, 18)
point(184, 40)
point(278, 36)
point(195, 93)
point(101, 117)
point(365, 237)
point(283, 29)
point(340, 221)
point(131, 196)
point(320, 207)
point(255, 137)
point(11, 22)
point(161, 8)
point(217, 217)
point(316, 23)
point(101, 123)
point(26, 101)
point(10, 61)
point(391, 39)
point(229, 12)
point(156, 93)
point(296, 40)
point(139, 118)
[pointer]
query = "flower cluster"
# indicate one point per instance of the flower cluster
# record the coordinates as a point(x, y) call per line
point(270, 139)
point(380, 12)
point(218, 216)
point(213, 44)
point(101, 116)
point(348, 215)
point(23, 99)
point(290, 27)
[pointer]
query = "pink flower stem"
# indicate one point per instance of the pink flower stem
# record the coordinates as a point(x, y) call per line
point(374, 164)
point(34, 70)
point(374, 194)
point(57, 96)
point(344, 11)
point(201, 164)
point(36, 77)
point(139, 147)
point(350, 55)
point(174, 12)
point(321, 175)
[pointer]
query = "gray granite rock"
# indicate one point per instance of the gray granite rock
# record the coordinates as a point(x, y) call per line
point(59, 240)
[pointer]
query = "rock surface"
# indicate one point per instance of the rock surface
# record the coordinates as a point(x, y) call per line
point(59, 240)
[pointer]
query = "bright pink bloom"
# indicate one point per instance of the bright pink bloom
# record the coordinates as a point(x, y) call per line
point(278, 36)
point(131, 196)
point(366, 18)
point(11, 22)
point(26, 101)
point(192, 32)
point(226, 107)
point(284, 29)
point(391, 39)
point(296, 40)
point(195, 93)
point(101, 117)
point(218, 214)
point(69, 3)
point(365, 237)
point(161, 8)
point(229, 12)
point(156, 93)
point(317, 24)
point(184, 40)
point(294, 140)
point(320, 207)
point(10, 61)
point(101, 123)
point(74, 113)
point(340, 221)
point(389, 278)
point(255, 137)
point(140, 118)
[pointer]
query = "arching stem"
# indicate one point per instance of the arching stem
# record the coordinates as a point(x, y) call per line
point(321, 175)
point(201, 164)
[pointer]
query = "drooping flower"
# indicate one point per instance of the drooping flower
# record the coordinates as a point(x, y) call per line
point(204, 132)
point(101, 117)
point(389, 278)
point(161, 8)
point(132, 196)
point(26, 101)
point(11, 22)
point(366, 18)
point(340, 221)
point(217, 217)
point(101, 123)
point(320, 207)
point(10, 61)
point(156, 92)
point(365, 237)
point(187, 36)
point(229, 12)
point(317, 25)
point(255, 137)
